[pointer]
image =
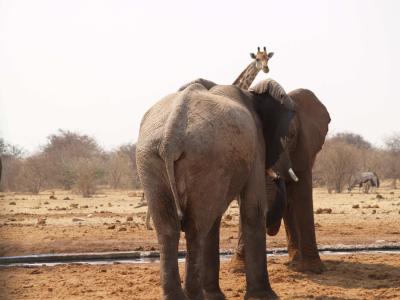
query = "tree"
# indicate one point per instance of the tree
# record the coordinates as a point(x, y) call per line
point(64, 150)
point(33, 173)
point(121, 167)
point(337, 162)
point(392, 161)
point(11, 156)
point(87, 172)
point(353, 139)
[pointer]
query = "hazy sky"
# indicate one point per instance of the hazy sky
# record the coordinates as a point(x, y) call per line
point(97, 66)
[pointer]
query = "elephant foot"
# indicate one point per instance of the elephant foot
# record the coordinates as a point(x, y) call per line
point(214, 295)
point(236, 265)
point(311, 265)
point(194, 296)
point(269, 295)
point(178, 295)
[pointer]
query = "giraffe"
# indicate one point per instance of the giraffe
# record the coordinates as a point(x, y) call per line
point(260, 62)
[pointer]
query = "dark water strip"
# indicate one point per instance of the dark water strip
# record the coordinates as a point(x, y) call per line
point(140, 257)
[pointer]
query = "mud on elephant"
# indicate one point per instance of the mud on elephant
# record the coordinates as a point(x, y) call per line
point(191, 140)
point(307, 134)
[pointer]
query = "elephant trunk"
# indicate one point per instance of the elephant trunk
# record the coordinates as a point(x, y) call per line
point(277, 194)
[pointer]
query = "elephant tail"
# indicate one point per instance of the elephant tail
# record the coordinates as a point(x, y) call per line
point(169, 165)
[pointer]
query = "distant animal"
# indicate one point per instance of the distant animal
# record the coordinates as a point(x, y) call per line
point(365, 180)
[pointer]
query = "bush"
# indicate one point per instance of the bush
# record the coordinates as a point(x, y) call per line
point(121, 167)
point(336, 164)
point(87, 173)
point(32, 175)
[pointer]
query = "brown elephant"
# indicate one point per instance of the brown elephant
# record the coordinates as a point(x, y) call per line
point(307, 134)
point(197, 149)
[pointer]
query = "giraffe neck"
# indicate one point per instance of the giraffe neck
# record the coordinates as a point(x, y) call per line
point(247, 77)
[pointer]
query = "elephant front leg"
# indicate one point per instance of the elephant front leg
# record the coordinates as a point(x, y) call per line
point(236, 264)
point(300, 229)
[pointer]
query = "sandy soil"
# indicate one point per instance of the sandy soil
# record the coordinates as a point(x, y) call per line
point(112, 221)
point(115, 220)
point(347, 277)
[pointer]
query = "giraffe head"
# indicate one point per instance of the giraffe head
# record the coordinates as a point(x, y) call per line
point(261, 59)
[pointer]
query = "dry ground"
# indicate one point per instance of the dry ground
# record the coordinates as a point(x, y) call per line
point(111, 221)
point(101, 223)
point(348, 277)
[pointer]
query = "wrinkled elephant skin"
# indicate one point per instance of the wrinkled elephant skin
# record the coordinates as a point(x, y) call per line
point(198, 148)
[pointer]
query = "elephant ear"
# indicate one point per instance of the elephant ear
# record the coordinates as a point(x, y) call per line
point(312, 126)
point(275, 110)
point(275, 90)
point(204, 82)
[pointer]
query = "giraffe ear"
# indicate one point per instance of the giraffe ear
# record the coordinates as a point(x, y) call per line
point(270, 54)
point(252, 55)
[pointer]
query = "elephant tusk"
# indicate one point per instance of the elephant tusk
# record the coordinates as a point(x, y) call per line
point(293, 175)
point(271, 173)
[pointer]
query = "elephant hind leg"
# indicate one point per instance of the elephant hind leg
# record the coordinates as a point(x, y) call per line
point(168, 233)
point(212, 290)
point(252, 213)
point(193, 284)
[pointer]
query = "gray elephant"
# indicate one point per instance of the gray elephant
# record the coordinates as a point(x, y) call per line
point(198, 148)
point(307, 134)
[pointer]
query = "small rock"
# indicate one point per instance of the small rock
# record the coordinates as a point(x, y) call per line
point(130, 218)
point(373, 211)
point(111, 227)
point(122, 229)
point(53, 197)
point(109, 204)
point(74, 205)
point(90, 215)
point(323, 211)
point(67, 198)
point(77, 220)
point(12, 203)
point(391, 193)
point(379, 196)
point(356, 206)
point(375, 206)
point(41, 221)
point(36, 271)
point(84, 206)
point(46, 202)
